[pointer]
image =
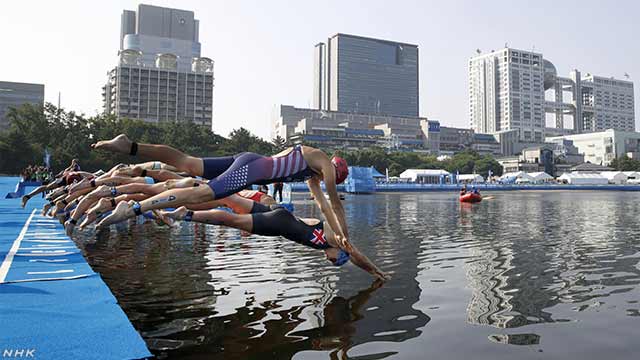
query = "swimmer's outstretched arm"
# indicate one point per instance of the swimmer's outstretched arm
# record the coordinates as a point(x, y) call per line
point(360, 260)
point(325, 208)
point(166, 154)
point(318, 160)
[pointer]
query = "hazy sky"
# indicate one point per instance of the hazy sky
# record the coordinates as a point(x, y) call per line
point(263, 50)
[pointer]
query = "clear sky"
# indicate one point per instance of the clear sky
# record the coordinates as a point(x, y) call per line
point(263, 50)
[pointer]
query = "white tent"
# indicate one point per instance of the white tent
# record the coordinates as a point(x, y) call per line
point(430, 176)
point(632, 174)
point(541, 177)
point(615, 177)
point(470, 178)
point(519, 177)
point(584, 179)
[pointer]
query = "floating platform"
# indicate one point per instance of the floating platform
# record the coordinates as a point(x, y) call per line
point(53, 305)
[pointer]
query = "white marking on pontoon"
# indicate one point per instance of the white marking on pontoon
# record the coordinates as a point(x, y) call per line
point(48, 241)
point(6, 264)
point(49, 248)
point(50, 253)
point(49, 272)
point(47, 234)
point(49, 279)
point(48, 260)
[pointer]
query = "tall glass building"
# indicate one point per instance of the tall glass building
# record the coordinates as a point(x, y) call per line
point(364, 75)
point(14, 94)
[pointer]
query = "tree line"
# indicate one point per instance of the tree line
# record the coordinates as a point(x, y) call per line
point(65, 135)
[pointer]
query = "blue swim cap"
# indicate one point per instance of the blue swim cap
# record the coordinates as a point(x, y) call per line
point(343, 257)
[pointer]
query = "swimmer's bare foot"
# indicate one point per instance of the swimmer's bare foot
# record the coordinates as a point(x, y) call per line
point(101, 207)
point(91, 217)
point(120, 144)
point(68, 227)
point(24, 200)
point(122, 212)
point(45, 209)
point(170, 217)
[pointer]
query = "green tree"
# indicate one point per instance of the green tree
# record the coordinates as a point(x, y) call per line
point(485, 164)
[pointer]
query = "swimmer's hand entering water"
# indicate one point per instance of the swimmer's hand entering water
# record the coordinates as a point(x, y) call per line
point(360, 259)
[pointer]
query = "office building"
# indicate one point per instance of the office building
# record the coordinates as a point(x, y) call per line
point(161, 75)
point(355, 74)
point(513, 89)
point(14, 94)
point(506, 92)
point(603, 147)
point(333, 129)
point(340, 130)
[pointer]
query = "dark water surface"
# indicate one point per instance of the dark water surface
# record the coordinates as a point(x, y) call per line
point(525, 275)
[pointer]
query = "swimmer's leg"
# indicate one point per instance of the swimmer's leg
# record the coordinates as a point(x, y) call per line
point(38, 190)
point(169, 199)
point(211, 217)
point(166, 154)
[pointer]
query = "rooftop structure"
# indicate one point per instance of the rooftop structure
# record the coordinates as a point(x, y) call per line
point(161, 75)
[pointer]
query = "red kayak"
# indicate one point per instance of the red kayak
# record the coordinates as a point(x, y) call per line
point(470, 198)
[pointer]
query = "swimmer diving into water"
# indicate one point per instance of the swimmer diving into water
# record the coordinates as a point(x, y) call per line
point(277, 221)
point(230, 174)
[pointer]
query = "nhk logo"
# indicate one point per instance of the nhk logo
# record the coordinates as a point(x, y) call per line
point(18, 353)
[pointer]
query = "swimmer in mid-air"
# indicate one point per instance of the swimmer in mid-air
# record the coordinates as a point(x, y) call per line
point(228, 175)
point(277, 221)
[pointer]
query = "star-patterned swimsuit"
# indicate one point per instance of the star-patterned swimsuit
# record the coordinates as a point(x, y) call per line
point(230, 174)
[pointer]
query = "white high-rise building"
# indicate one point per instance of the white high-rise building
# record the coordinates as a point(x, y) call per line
point(506, 92)
point(607, 103)
point(160, 75)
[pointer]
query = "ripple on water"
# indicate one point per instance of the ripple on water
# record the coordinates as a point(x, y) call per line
point(527, 262)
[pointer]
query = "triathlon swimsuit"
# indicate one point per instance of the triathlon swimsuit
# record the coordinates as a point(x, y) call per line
point(252, 195)
point(230, 174)
point(277, 221)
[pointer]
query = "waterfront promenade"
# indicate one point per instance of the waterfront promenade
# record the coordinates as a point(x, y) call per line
point(54, 306)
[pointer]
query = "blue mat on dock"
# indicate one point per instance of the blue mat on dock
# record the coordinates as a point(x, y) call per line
point(53, 305)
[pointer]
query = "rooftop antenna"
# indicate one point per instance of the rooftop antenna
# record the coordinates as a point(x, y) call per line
point(478, 51)
point(626, 75)
point(506, 44)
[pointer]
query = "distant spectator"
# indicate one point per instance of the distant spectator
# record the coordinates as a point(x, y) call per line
point(277, 189)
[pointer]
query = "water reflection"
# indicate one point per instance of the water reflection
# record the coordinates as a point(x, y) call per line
point(199, 290)
point(527, 263)
point(538, 253)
